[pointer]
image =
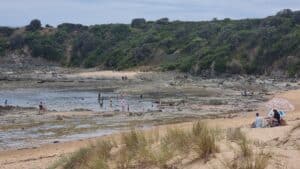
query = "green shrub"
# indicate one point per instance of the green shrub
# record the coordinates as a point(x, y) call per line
point(169, 66)
point(138, 23)
point(3, 46)
point(34, 25)
point(252, 46)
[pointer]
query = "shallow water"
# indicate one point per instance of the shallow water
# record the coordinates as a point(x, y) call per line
point(67, 100)
point(40, 130)
point(18, 139)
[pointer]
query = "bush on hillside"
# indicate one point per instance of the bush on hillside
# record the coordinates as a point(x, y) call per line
point(138, 23)
point(34, 25)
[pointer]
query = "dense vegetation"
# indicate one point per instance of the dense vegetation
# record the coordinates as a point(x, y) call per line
point(252, 46)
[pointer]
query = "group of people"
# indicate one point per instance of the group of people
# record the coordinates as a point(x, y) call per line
point(124, 78)
point(124, 105)
point(42, 107)
point(275, 120)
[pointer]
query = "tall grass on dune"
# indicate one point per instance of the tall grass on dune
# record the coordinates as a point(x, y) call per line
point(93, 157)
point(136, 149)
point(204, 140)
point(245, 158)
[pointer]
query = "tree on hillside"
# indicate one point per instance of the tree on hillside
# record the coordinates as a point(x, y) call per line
point(163, 21)
point(138, 23)
point(34, 25)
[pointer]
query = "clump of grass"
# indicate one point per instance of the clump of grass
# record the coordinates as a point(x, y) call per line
point(200, 140)
point(245, 158)
point(259, 161)
point(134, 140)
point(235, 134)
point(162, 156)
point(240, 138)
point(204, 140)
point(103, 148)
point(78, 159)
point(177, 139)
point(246, 150)
point(99, 164)
point(57, 164)
point(93, 157)
point(137, 150)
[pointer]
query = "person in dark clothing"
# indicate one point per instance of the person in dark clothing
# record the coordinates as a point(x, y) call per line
point(276, 116)
point(41, 107)
point(99, 96)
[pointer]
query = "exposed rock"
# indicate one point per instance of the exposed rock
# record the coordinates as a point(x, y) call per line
point(58, 117)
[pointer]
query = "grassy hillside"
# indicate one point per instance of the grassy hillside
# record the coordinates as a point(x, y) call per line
point(252, 46)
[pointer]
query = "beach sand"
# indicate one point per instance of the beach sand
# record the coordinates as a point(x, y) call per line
point(283, 143)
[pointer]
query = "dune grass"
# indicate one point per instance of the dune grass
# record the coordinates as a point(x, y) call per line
point(204, 140)
point(295, 127)
point(259, 161)
point(245, 158)
point(93, 157)
point(135, 149)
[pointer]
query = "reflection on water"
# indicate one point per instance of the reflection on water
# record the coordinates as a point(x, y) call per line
point(67, 100)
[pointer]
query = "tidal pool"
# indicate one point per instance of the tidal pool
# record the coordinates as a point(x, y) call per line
point(68, 100)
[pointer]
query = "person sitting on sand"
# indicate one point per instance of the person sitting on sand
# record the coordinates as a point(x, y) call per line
point(258, 121)
point(276, 117)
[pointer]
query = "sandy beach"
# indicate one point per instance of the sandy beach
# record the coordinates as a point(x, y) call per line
point(281, 141)
point(44, 156)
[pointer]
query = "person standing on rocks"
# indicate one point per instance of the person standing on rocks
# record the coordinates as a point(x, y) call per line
point(100, 100)
point(110, 102)
point(5, 103)
point(41, 108)
point(123, 105)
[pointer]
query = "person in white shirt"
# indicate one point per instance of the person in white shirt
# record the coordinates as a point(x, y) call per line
point(258, 121)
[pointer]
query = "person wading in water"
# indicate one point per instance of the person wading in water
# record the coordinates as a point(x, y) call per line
point(41, 108)
point(100, 100)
